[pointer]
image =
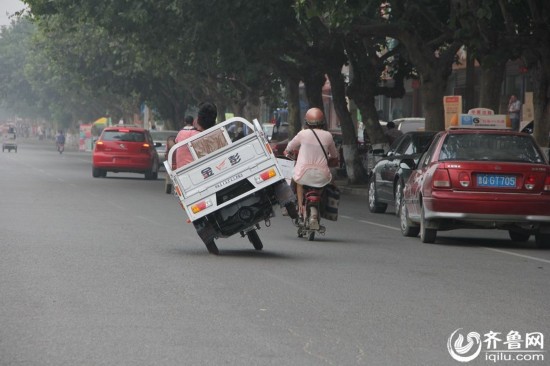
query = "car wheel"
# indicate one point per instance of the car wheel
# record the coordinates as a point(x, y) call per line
point(426, 235)
point(407, 228)
point(519, 236)
point(542, 241)
point(254, 238)
point(96, 172)
point(398, 197)
point(155, 174)
point(374, 205)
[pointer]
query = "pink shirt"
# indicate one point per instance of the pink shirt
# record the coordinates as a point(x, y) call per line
point(183, 155)
point(311, 168)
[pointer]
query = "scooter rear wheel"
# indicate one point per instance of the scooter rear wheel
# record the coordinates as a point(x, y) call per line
point(254, 238)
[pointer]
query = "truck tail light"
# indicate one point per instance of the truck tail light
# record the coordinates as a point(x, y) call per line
point(265, 175)
point(441, 179)
point(199, 206)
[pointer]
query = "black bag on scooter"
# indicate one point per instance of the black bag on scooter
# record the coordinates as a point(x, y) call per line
point(329, 202)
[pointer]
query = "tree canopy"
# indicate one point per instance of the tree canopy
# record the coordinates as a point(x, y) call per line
point(73, 60)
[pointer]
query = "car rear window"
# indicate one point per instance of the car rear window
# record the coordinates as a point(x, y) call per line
point(490, 147)
point(128, 136)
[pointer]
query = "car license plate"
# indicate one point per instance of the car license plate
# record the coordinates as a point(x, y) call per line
point(496, 181)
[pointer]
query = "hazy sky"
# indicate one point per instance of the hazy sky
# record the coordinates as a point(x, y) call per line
point(8, 7)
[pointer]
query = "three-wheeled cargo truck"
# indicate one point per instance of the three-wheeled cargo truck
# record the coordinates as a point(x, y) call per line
point(232, 184)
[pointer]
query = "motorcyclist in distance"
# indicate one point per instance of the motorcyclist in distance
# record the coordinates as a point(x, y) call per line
point(60, 141)
point(312, 167)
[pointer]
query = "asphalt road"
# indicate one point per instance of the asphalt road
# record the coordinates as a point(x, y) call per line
point(106, 271)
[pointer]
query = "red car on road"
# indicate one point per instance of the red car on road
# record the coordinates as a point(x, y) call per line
point(125, 149)
point(479, 178)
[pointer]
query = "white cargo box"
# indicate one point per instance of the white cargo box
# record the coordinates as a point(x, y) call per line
point(219, 164)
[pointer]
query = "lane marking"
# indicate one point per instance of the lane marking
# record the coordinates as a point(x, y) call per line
point(518, 255)
point(372, 223)
point(491, 249)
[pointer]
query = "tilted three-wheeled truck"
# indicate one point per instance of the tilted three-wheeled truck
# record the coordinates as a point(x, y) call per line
point(232, 184)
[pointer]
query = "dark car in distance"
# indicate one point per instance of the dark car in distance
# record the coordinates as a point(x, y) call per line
point(387, 177)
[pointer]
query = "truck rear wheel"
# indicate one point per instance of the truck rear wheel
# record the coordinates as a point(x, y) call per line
point(211, 246)
point(254, 238)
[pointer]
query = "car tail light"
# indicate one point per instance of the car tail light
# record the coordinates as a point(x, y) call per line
point(145, 148)
point(99, 145)
point(441, 179)
point(547, 183)
point(464, 179)
point(265, 175)
point(530, 182)
point(199, 206)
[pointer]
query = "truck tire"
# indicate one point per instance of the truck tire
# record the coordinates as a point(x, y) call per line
point(254, 238)
point(212, 248)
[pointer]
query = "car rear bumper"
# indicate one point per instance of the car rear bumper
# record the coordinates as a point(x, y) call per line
point(122, 164)
point(490, 207)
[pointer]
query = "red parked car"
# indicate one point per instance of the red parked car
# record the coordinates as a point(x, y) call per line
point(125, 149)
point(479, 178)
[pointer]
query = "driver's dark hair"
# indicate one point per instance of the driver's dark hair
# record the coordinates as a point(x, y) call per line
point(188, 120)
point(207, 115)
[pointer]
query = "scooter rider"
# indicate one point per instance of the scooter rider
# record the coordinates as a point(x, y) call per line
point(60, 141)
point(312, 167)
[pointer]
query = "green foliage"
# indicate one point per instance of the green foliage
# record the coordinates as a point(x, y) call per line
point(82, 58)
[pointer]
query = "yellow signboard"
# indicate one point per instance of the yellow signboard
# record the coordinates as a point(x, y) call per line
point(453, 107)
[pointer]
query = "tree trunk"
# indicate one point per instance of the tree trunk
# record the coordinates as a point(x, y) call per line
point(365, 103)
point(541, 102)
point(354, 168)
point(490, 85)
point(314, 81)
point(364, 79)
point(432, 89)
point(252, 110)
point(469, 100)
point(293, 100)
